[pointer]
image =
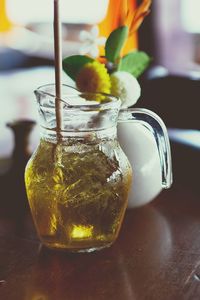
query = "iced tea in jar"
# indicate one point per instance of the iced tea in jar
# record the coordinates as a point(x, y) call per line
point(77, 187)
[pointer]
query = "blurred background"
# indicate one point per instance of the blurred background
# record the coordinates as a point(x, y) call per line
point(170, 34)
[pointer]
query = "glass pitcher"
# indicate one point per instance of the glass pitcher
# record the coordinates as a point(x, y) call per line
point(78, 181)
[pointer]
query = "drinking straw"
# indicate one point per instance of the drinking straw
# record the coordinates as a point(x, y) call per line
point(58, 67)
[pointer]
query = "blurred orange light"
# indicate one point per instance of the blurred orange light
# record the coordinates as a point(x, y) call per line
point(111, 22)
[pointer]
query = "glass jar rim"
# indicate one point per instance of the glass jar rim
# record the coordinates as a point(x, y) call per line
point(114, 102)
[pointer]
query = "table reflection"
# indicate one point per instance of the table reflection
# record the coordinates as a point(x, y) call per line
point(143, 248)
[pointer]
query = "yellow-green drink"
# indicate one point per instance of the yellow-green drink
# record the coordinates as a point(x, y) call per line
point(78, 196)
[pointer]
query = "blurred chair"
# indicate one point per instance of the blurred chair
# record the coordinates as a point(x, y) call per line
point(175, 99)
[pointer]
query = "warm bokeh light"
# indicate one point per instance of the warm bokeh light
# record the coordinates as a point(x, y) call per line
point(76, 11)
point(5, 23)
point(190, 15)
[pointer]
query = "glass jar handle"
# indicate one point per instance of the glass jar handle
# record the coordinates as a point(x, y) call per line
point(157, 127)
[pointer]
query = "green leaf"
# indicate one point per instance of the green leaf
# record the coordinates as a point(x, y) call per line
point(73, 64)
point(115, 42)
point(135, 63)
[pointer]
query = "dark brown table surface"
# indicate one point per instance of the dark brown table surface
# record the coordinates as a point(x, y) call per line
point(156, 256)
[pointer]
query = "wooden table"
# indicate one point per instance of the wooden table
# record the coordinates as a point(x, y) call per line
point(156, 257)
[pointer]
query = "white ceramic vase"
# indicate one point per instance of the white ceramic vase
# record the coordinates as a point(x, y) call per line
point(140, 147)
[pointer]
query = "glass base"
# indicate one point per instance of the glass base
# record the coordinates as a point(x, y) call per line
point(59, 247)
